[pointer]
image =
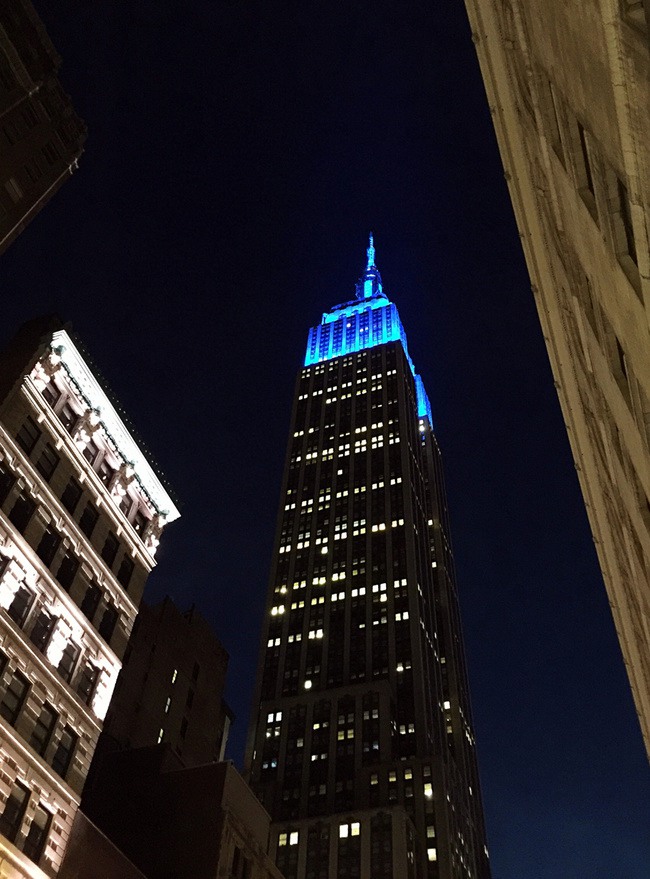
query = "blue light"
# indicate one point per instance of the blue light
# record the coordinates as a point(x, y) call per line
point(424, 406)
point(365, 322)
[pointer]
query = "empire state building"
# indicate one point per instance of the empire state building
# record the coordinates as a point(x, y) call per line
point(361, 743)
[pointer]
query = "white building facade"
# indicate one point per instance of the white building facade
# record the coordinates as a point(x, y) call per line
point(81, 512)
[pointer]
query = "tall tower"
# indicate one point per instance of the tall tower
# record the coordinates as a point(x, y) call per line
point(361, 744)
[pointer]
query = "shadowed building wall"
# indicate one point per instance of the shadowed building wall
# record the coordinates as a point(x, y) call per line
point(41, 137)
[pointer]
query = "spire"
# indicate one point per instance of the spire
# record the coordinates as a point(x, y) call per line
point(370, 251)
point(370, 283)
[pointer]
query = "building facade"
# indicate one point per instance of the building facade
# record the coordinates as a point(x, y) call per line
point(41, 137)
point(171, 687)
point(199, 822)
point(81, 512)
point(569, 90)
point(361, 744)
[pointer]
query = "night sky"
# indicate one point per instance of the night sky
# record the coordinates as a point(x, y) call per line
point(238, 155)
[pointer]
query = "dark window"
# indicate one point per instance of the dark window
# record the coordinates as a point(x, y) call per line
point(589, 179)
point(50, 542)
point(125, 505)
point(12, 133)
point(14, 811)
point(50, 152)
point(64, 751)
point(91, 601)
point(88, 519)
point(43, 729)
point(195, 671)
point(190, 699)
point(28, 436)
point(108, 623)
point(47, 463)
point(183, 727)
point(30, 116)
point(37, 834)
point(7, 481)
point(71, 496)
point(125, 571)
point(51, 393)
point(68, 417)
point(626, 219)
point(21, 512)
point(105, 472)
point(140, 522)
point(19, 607)
point(67, 571)
point(42, 630)
point(110, 548)
point(68, 661)
point(91, 451)
point(87, 681)
point(14, 697)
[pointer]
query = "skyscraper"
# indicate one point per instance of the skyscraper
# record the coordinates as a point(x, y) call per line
point(569, 91)
point(361, 744)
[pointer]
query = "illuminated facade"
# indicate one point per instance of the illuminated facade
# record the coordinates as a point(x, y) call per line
point(42, 136)
point(361, 744)
point(569, 90)
point(81, 512)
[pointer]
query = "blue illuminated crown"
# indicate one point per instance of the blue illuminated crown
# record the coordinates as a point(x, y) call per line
point(364, 322)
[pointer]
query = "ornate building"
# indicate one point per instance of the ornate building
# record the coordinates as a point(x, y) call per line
point(81, 512)
point(569, 90)
point(361, 744)
point(41, 137)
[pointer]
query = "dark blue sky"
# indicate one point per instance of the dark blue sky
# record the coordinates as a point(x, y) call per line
point(238, 155)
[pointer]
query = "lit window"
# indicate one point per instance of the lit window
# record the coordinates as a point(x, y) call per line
point(293, 838)
point(355, 828)
point(174, 675)
point(432, 854)
point(307, 685)
point(282, 839)
point(344, 831)
point(428, 790)
point(161, 733)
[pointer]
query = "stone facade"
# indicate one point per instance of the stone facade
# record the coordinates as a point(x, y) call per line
point(568, 85)
point(81, 510)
